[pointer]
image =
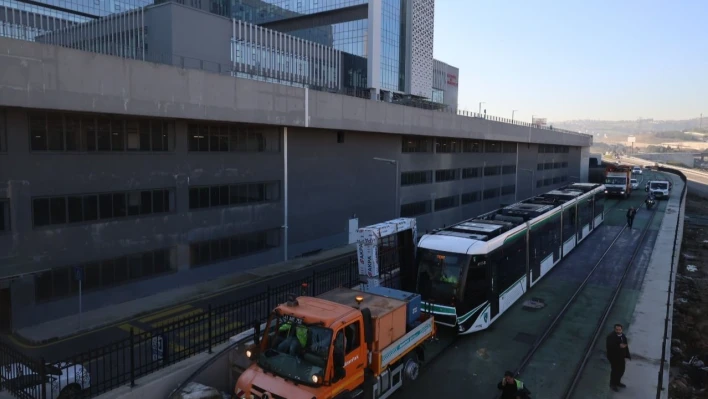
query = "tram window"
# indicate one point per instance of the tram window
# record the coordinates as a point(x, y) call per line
point(599, 204)
point(585, 212)
point(476, 284)
point(439, 274)
point(512, 262)
point(568, 224)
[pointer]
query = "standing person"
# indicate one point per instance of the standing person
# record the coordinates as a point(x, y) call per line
point(617, 352)
point(630, 216)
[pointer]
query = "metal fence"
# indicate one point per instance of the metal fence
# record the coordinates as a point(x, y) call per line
point(122, 362)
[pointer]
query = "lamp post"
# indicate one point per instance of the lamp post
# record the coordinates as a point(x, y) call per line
point(398, 176)
point(533, 180)
point(480, 107)
point(512, 115)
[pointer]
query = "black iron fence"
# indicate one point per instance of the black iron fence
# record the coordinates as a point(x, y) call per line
point(122, 362)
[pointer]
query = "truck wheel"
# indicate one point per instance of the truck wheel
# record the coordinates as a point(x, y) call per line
point(411, 369)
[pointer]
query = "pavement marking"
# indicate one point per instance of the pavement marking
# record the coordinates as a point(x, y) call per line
point(128, 326)
point(165, 313)
point(176, 318)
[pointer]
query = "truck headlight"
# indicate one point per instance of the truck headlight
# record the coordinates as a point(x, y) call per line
point(316, 378)
point(249, 353)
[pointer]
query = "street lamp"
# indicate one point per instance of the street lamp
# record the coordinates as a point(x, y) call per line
point(512, 115)
point(398, 176)
point(480, 107)
point(533, 180)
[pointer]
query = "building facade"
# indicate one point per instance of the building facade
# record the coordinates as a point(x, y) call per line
point(380, 48)
point(163, 177)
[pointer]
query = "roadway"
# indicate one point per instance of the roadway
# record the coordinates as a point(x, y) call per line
point(697, 180)
point(476, 363)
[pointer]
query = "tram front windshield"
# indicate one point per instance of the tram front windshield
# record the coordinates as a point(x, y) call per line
point(439, 275)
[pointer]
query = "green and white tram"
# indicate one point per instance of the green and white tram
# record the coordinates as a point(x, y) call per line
point(469, 273)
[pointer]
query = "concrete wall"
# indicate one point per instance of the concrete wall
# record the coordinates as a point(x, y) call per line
point(42, 76)
point(685, 159)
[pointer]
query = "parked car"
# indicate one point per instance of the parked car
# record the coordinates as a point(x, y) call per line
point(63, 380)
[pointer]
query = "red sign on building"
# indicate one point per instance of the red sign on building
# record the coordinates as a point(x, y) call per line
point(452, 79)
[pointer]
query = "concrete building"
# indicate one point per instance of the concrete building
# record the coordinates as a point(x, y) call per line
point(160, 176)
point(381, 49)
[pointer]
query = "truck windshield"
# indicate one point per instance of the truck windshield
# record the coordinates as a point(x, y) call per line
point(616, 180)
point(659, 186)
point(439, 274)
point(295, 350)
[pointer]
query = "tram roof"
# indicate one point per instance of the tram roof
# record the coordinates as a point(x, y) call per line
point(465, 235)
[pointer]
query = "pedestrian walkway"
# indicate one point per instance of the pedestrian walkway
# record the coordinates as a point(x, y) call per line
point(644, 322)
point(174, 304)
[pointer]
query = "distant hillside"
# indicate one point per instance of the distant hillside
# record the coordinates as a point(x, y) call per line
point(611, 129)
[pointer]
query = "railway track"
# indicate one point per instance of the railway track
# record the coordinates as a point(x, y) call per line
point(573, 308)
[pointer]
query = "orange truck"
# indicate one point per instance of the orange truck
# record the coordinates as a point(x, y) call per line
point(343, 344)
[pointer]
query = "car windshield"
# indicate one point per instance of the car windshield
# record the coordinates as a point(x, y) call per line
point(295, 350)
point(659, 186)
point(439, 274)
point(616, 180)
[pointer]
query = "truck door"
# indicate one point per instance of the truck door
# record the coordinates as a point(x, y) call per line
point(349, 339)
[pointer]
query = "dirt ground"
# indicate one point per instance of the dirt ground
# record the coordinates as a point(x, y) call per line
point(689, 346)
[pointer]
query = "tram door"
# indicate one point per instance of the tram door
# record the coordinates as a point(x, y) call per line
point(493, 292)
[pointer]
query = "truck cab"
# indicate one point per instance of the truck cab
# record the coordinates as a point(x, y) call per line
point(310, 348)
point(342, 344)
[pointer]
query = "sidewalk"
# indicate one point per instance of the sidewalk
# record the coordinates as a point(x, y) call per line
point(114, 314)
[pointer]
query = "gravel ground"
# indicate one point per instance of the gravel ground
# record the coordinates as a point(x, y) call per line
point(690, 323)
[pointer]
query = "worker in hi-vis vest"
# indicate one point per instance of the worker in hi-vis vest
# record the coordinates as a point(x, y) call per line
point(512, 388)
point(293, 344)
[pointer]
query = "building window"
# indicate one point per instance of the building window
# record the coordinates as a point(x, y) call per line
point(472, 146)
point(492, 170)
point(232, 137)
point(509, 148)
point(445, 145)
point(56, 131)
point(548, 165)
point(61, 282)
point(4, 215)
point(564, 164)
point(412, 144)
point(233, 195)
point(539, 166)
point(415, 209)
point(492, 146)
point(470, 173)
point(211, 251)
point(416, 177)
point(92, 207)
point(468, 198)
point(446, 202)
point(508, 169)
point(556, 165)
point(507, 190)
point(446, 175)
point(491, 193)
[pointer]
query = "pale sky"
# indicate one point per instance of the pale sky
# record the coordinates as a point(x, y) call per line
point(574, 59)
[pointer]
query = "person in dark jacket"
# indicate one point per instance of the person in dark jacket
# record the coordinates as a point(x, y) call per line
point(630, 216)
point(617, 352)
point(512, 388)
